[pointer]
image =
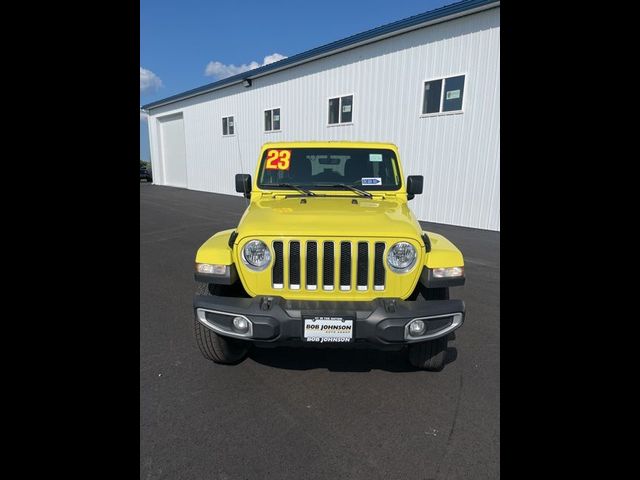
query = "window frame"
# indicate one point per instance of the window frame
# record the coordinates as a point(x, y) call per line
point(340, 97)
point(442, 90)
point(234, 125)
point(272, 130)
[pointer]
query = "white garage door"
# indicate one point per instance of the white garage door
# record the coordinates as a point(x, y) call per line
point(174, 157)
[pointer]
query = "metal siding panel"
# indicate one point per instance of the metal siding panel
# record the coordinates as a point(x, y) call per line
point(457, 154)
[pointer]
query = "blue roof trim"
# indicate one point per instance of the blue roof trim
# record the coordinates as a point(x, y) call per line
point(454, 8)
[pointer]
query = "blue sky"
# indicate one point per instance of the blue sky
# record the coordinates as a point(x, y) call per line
point(190, 43)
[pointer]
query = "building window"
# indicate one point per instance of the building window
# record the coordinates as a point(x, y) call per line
point(227, 126)
point(432, 94)
point(341, 110)
point(272, 120)
point(443, 95)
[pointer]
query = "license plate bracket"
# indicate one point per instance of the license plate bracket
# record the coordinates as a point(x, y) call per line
point(328, 328)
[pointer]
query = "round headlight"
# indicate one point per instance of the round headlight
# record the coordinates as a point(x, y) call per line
point(401, 257)
point(256, 255)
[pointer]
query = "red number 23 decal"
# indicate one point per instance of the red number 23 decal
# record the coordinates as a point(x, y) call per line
point(278, 159)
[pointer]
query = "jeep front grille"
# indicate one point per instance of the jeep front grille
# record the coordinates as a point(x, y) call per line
point(336, 263)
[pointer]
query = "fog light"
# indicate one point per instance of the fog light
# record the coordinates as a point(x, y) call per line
point(416, 328)
point(240, 324)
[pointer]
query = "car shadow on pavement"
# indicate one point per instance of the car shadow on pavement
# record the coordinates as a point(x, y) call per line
point(339, 360)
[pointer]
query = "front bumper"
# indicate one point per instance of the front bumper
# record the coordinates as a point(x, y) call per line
point(277, 321)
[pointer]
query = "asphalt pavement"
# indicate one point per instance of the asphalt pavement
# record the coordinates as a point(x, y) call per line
point(307, 413)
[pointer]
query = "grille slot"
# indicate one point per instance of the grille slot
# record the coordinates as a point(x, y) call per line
point(378, 268)
point(345, 265)
point(327, 266)
point(312, 266)
point(294, 265)
point(363, 266)
point(277, 274)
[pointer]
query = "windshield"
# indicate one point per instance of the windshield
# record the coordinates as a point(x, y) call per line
point(324, 168)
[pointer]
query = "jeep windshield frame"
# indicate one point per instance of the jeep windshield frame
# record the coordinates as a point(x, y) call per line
point(322, 168)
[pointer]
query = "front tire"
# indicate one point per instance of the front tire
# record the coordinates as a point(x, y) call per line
point(214, 347)
point(429, 355)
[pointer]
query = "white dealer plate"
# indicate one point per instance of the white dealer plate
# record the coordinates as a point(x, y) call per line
point(328, 329)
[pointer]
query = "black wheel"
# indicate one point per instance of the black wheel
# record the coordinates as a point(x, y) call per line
point(214, 347)
point(429, 355)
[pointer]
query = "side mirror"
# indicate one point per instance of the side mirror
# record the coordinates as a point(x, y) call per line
point(243, 184)
point(414, 186)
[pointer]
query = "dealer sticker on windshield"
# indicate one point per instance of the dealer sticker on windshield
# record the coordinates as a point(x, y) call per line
point(278, 160)
point(372, 181)
point(328, 329)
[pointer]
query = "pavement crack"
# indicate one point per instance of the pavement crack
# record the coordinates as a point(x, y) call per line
point(451, 430)
point(481, 262)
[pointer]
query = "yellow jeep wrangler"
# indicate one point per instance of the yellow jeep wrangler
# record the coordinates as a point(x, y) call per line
point(328, 253)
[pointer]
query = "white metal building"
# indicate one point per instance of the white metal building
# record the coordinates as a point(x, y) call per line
point(429, 83)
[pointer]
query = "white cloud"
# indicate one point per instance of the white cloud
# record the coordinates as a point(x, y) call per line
point(273, 58)
point(219, 70)
point(143, 116)
point(149, 81)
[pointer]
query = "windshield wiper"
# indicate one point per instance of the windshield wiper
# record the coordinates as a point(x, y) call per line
point(353, 189)
point(295, 187)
